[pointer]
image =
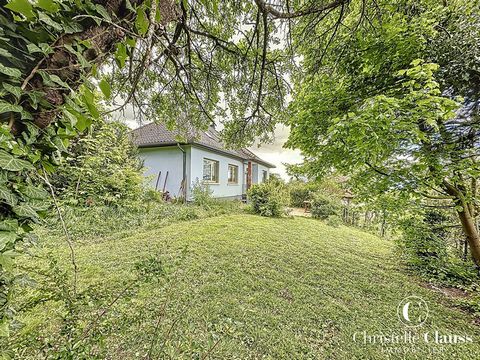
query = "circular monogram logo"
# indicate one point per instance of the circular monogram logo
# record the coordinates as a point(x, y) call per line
point(412, 311)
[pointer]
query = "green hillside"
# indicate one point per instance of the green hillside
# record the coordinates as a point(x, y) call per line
point(240, 287)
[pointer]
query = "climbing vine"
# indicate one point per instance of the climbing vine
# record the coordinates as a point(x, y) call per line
point(49, 58)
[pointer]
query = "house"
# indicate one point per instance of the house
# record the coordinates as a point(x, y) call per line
point(174, 166)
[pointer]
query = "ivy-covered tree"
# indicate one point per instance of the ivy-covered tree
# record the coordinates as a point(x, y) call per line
point(396, 106)
point(173, 60)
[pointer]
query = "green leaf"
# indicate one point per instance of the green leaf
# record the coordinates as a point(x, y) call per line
point(9, 225)
point(89, 100)
point(102, 11)
point(38, 205)
point(141, 22)
point(11, 163)
point(48, 5)
point(25, 115)
point(121, 55)
point(105, 87)
point(35, 97)
point(6, 261)
point(7, 196)
point(15, 90)
point(7, 107)
point(56, 79)
point(5, 53)
point(25, 210)
point(4, 328)
point(22, 7)
point(83, 122)
point(34, 192)
point(32, 48)
point(12, 72)
point(7, 237)
point(48, 20)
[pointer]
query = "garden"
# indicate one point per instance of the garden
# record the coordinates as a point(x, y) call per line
point(366, 246)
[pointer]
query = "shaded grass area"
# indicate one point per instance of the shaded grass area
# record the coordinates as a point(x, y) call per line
point(240, 287)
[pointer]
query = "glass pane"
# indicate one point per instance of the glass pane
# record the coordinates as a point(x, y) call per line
point(207, 170)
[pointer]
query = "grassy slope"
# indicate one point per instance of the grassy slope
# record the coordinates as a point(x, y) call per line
point(262, 288)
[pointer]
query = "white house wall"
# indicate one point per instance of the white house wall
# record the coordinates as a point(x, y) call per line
point(222, 189)
point(164, 159)
point(170, 158)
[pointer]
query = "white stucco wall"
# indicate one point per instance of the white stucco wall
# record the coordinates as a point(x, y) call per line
point(222, 189)
point(164, 159)
point(170, 159)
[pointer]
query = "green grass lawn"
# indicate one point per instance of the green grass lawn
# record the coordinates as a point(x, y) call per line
point(243, 287)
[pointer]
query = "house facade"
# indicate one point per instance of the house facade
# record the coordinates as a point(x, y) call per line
point(175, 166)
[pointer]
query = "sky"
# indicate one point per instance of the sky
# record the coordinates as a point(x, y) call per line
point(273, 153)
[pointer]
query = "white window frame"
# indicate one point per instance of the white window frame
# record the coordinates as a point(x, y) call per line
point(214, 171)
point(235, 172)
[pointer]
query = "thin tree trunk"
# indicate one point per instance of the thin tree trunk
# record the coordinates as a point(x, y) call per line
point(467, 218)
point(470, 229)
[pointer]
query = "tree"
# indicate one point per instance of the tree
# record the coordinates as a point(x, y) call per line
point(172, 59)
point(381, 107)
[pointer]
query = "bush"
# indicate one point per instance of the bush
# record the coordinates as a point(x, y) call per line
point(422, 246)
point(325, 206)
point(102, 168)
point(202, 194)
point(268, 199)
point(300, 192)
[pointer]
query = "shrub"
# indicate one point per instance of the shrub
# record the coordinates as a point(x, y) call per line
point(268, 199)
point(202, 194)
point(324, 206)
point(299, 192)
point(102, 168)
point(422, 246)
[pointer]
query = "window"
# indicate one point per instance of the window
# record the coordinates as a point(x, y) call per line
point(264, 175)
point(210, 171)
point(232, 174)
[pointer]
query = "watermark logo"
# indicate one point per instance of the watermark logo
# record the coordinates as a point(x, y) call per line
point(412, 311)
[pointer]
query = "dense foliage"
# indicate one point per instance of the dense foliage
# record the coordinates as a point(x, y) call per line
point(101, 167)
point(324, 206)
point(386, 106)
point(268, 199)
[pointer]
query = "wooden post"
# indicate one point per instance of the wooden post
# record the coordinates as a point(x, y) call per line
point(249, 175)
point(158, 179)
point(165, 183)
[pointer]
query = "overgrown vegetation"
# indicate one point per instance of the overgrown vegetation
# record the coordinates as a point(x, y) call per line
point(397, 110)
point(101, 168)
point(268, 199)
point(323, 207)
